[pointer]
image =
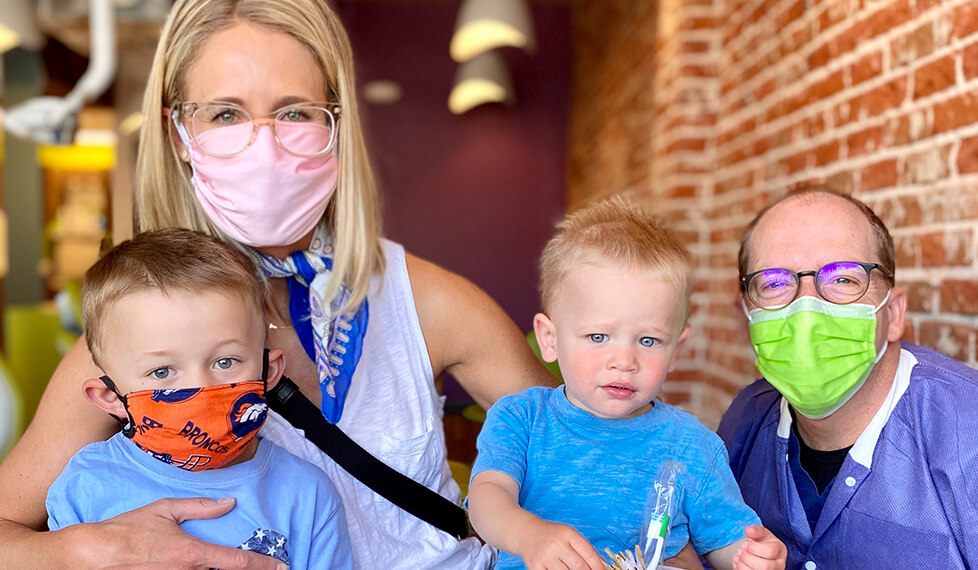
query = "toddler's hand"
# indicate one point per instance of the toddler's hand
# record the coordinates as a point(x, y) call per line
point(761, 551)
point(552, 546)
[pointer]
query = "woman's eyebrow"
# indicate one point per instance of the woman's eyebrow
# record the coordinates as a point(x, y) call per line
point(291, 100)
point(233, 100)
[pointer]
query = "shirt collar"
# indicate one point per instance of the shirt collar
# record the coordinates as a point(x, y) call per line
point(862, 450)
point(655, 416)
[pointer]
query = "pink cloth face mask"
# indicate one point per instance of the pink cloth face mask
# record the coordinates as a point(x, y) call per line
point(264, 196)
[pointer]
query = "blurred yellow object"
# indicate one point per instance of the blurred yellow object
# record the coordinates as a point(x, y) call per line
point(77, 157)
point(30, 332)
point(461, 473)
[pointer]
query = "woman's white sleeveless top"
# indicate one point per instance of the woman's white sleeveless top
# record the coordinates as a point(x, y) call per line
point(393, 411)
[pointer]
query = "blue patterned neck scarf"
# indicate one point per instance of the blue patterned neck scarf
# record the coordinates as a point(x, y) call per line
point(333, 341)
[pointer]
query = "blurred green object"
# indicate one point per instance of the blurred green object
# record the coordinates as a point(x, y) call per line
point(10, 410)
point(553, 367)
point(474, 413)
point(30, 332)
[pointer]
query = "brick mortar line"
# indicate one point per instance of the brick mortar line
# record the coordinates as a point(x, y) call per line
point(849, 93)
point(837, 64)
point(714, 10)
point(932, 276)
point(944, 227)
point(824, 37)
point(915, 189)
point(769, 15)
point(730, 221)
point(945, 319)
point(713, 369)
point(907, 106)
point(730, 349)
point(781, 183)
point(880, 154)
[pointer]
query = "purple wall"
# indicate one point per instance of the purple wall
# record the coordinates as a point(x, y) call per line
point(477, 193)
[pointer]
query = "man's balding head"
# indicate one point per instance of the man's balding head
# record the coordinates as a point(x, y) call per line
point(874, 230)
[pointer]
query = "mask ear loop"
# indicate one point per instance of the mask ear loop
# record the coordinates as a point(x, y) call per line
point(886, 342)
point(743, 307)
point(264, 369)
point(883, 302)
point(128, 428)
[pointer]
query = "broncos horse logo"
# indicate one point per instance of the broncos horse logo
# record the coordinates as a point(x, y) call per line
point(248, 414)
point(174, 395)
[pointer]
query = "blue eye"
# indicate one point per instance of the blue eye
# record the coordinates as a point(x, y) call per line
point(224, 363)
point(598, 338)
point(161, 373)
point(648, 341)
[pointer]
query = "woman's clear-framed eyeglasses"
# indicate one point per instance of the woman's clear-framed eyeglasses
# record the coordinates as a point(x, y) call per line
point(839, 282)
point(224, 130)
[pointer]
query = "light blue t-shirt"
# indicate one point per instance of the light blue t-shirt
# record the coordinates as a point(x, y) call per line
point(285, 507)
point(596, 474)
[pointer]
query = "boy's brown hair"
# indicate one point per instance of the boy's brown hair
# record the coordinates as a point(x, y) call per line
point(165, 260)
point(617, 230)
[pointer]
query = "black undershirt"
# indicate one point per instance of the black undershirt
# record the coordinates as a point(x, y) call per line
point(821, 466)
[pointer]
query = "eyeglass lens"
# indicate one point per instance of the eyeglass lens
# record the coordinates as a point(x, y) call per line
point(223, 130)
point(841, 282)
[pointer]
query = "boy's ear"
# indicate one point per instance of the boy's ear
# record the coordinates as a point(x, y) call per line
point(546, 335)
point(103, 398)
point(276, 367)
point(680, 346)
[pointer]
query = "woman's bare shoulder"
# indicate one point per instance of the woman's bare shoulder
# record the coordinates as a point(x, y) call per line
point(470, 336)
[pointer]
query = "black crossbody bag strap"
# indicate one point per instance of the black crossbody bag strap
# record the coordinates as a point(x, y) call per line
point(397, 488)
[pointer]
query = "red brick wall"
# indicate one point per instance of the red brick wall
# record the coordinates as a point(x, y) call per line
point(709, 109)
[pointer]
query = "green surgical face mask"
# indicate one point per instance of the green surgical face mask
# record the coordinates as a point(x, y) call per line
point(815, 353)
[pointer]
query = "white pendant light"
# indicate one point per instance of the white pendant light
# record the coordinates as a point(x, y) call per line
point(487, 24)
point(482, 79)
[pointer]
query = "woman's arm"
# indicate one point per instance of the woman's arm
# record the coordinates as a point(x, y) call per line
point(63, 424)
point(469, 336)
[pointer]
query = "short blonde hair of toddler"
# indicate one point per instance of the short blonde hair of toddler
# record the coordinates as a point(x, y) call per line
point(617, 230)
point(166, 260)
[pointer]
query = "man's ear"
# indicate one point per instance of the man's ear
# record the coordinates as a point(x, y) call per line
point(896, 313)
point(276, 367)
point(546, 335)
point(103, 398)
point(680, 346)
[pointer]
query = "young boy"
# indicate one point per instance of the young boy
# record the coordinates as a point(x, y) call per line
point(563, 473)
point(175, 320)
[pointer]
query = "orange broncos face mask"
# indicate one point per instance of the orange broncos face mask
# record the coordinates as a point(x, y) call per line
point(195, 428)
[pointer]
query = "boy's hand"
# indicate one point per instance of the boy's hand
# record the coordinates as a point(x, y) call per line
point(552, 546)
point(761, 551)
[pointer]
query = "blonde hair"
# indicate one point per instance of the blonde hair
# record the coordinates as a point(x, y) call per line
point(164, 196)
point(618, 230)
point(166, 260)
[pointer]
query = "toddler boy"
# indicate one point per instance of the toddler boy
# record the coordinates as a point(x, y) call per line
point(175, 320)
point(563, 473)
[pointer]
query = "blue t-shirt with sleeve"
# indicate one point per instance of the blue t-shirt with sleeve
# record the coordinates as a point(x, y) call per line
point(285, 507)
point(597, 474)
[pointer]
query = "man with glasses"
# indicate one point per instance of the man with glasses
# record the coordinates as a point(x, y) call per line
point(857, 451)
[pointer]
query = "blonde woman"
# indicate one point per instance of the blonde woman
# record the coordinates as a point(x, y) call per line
point(252, 134)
